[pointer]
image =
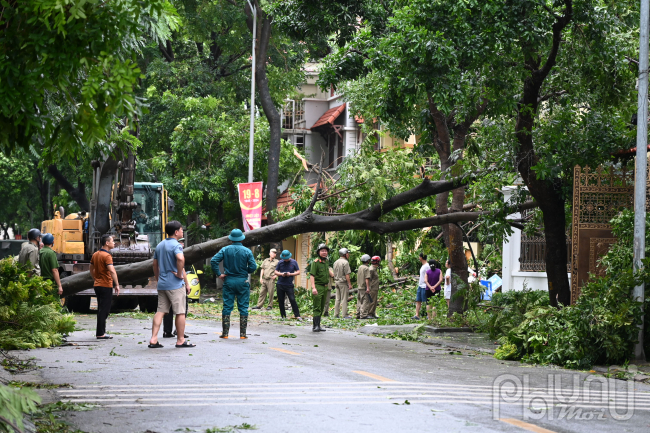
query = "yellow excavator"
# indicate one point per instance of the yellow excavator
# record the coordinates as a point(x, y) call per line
point(135, 213)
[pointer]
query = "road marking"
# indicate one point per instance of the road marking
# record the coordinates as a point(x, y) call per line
point(374, 376)
point(284, 351)
point(525, 425)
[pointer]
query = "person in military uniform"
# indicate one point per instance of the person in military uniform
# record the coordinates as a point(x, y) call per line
point(28, 255)
point(49, 263)
point(320, 273)
point(267, 280)
point(342, 273)
point(238, 263)
point(363, 283)
point(370, 304)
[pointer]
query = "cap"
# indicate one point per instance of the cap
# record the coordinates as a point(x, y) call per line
point(273, 250)
point(286, 254)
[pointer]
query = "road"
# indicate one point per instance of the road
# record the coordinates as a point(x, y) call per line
point(320, 382)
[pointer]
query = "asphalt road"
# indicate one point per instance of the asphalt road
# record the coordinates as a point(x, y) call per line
point(322, 382)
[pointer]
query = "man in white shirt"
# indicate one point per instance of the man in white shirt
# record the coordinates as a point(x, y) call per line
point(448, 282)
point(422, 286)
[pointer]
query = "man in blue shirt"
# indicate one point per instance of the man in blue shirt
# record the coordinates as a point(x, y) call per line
point(286, 270)
point(169, 272)
point(238, 262)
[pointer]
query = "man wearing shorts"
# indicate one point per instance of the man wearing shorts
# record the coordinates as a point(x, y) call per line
point(421, 296)
point(169, 272)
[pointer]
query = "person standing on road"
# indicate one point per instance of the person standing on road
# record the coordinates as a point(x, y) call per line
point(238, 263)
point(49, 264)
point(372, 295)
point(105, 277)
point(28, 255)
point(267, 281)
point(421, 296)
point(363, 283)
point(448, 282)
point(286, 270)
point(342, 273)
point(320, 273)
point(168, 318)
point(434, 279)
point(169, 272)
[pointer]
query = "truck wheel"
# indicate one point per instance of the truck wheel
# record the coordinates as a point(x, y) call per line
point(148, 304)
point(125, 302)
point(78, 304)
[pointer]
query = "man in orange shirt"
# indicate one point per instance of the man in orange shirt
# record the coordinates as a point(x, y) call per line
point(103, 272)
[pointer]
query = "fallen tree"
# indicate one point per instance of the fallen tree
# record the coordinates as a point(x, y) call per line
point(308, 221)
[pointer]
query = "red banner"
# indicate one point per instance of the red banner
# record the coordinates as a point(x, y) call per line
point(250, 201)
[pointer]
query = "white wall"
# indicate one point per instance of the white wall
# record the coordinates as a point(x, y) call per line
point(513, 278)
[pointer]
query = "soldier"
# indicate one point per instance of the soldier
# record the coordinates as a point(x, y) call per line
point(48, 262)
point(238, 262)
point(342, 273)
point(363, 283)
point(267, 281)
point(370, 304)
point(319, 274)
point(28, 255)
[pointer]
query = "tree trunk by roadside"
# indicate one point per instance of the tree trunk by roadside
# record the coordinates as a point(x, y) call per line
point(78, 193)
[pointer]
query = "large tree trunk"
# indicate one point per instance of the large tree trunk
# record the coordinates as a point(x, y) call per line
point(78, 194)
point(547, 192)
point(305, 223)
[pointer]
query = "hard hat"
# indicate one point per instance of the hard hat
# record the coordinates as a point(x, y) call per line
point(375, 260)
point(33, 234)
point(286, 254)
point(48, 239)
point(365, 258)
point(343, 251)
point(323, 247)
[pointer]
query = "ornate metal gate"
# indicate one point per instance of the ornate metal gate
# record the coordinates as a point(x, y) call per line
point(597, 197)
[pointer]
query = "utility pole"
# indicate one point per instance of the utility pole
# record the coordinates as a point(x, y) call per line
point(251, 144)
point(641, 166)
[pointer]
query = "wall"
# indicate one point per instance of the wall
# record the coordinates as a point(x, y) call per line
point(513, 278)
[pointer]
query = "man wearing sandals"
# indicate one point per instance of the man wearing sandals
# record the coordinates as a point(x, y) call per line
point(238, 262)
point(169, 272)
point(105, 277)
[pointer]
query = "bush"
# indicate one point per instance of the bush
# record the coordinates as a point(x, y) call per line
point(601, 328)
point(30, 315)
point(14, 403)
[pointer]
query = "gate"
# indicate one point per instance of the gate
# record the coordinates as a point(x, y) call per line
point(598, 196)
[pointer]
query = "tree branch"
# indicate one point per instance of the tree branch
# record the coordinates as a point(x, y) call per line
point(558, 27)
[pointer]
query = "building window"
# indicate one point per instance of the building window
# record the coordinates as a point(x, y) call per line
point(287, 114)
point(299, 113)
point(299, 141)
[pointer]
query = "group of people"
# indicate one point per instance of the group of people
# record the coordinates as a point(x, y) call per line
point(238, 263)
point(429, 285)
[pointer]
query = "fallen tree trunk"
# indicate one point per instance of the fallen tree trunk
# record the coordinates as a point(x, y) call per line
point(307, 222)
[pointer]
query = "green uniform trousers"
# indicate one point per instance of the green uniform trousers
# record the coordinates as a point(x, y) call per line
point(319, 301)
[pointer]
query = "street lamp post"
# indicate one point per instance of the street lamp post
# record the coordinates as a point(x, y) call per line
point(641, 165)
point(251, 144)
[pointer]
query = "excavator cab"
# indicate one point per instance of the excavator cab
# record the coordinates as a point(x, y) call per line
point(150, 214)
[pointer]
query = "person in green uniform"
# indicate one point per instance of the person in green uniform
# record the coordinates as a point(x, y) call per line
point(238, 262)
point(48, 262)
point(320, 274)
point(363, 283)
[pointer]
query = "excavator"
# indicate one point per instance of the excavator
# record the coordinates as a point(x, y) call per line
point(134, 213)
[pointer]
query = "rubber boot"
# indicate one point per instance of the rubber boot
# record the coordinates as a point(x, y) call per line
point(315, 325)
point(243, 324)
point(318, 327)
point(225, 323)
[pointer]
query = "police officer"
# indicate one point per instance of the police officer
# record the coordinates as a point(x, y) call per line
point(267, 280)
point(28, 255)
point(320, 274)
point(238, 263)
point(342, 273)
point(363, 283)
point(370, 304)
